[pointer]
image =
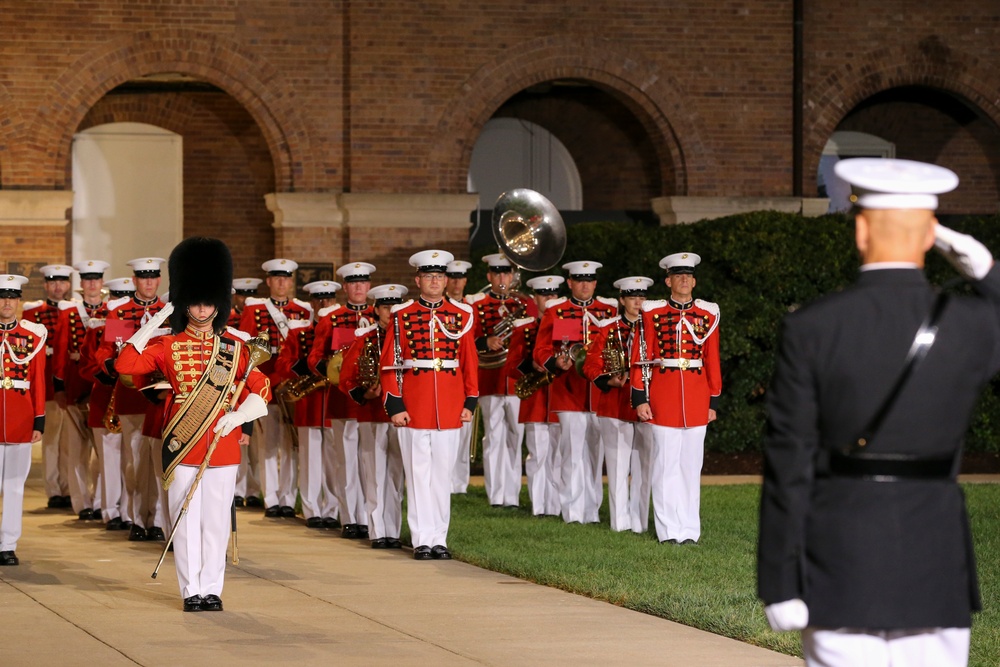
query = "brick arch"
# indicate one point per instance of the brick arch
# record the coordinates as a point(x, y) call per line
point(11, 125)
point(928, 63)
point(246, 77)
point(654, 97)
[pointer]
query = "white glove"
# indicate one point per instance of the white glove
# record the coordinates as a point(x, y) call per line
point(788, 615)
point(150, 328)
point(253, 407)
point(969, 257)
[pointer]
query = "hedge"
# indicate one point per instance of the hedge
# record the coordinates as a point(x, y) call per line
point(757, 267)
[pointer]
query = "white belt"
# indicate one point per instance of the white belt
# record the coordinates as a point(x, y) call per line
point(8, 383)
point(48, 351)
point(682, 364)
point(435, 364)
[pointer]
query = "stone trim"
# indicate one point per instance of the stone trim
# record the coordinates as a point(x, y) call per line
point(304, 209)
point(424, 211)
point(35, 208)
point(682, 210)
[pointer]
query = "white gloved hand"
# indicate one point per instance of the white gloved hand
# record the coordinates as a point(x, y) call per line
point(253, 407)
point(788, 615)
point(149, 329)
point(969, 257)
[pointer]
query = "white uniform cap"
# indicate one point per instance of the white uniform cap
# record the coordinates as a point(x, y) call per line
point(498, 262)
point(895, 184)
point(146, 265)
point(545, 284)
point(56, 271)
point(279, 267)
point(633, 285)
point(120, 285)
point(356, 272)
point(322, 289)
point(680, 262)
point(577, 270)
point(386, 294)
point(248, 285)
point(91, 266)
point(431, 261)
point(457, 268)
point(11, 282)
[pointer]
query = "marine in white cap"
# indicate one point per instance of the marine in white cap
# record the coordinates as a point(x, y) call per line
point(242, 288)
point(247, 485)
point(457, 272)
point(429, 387)
point(568, 327)
point(864, 541)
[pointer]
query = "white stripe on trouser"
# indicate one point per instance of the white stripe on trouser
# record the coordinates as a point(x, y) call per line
point(382, 475)
point(926, 647)
point(137, 468)
point(277, 464)
point(460, 476)
point(617, 437)
point(502, 437)
point(15, 462)
point(54, 454)
point(639, 481)
point(347, 476)
point(676, 458)
point(78, 452)
point(112, 475)
point(311, 470)
point(542, 489)
point(579, 443)
point(428, 459)
point(202, 535)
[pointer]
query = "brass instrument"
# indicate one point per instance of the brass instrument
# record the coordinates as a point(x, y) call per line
point(503, 330)
point(333, 366)
point(295, 389)
point(368, 362)
point(529, 383)
point(528, 229)
point(111, 420)
point(613, 354)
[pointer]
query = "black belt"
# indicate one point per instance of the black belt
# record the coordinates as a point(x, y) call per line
point(887, 468)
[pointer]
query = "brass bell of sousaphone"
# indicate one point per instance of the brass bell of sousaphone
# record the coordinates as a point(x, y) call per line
point(529, 229)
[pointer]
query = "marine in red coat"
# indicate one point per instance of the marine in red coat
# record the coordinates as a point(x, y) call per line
point(242, 288)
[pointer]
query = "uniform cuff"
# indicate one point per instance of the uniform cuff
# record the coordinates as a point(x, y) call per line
point(471, 402)
point(638, 397)
point(104, 378)
point(481, 344)
point(247, 427)
point(550, 366)
point(602, 383)
point(39, 424)
point(713, 403)
point(301, 367)
point(358, 394)
point(394, 405)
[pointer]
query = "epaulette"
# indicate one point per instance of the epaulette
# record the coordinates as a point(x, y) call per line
point(323, 312)
point(362, 331)
point(555, 302)
point(708, 305)
point(473, 298)
point(464, 306)
point(118, 303)
point(611, 320)
point(35, 328)
point(254, 301)
point(653, 304)
point(523, 321)
point(607, 301)
point(304, 304)
point(298, 324)
point(400, 306)
point(31, 305)
point(236, 333)
point(66, 304)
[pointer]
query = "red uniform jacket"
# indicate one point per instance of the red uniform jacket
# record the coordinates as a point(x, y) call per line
point(257, 318)
point(22, 389)
point(335, 327)
point(125, 316)
point(684, 341)
point(45, 313)
point(369, 410)
point(234, 318)
point(440, 377)
point(310, 411)
point(535, 408)
point(488, 310)
point(100, 395)
point(614, 402)
point(68, 355)
point(191, 351)
point(565, 322)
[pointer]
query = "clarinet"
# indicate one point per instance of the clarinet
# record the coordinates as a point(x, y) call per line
point(397, 352)
point(646, 370)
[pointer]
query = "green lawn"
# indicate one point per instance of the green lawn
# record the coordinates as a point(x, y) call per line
point(709, 585)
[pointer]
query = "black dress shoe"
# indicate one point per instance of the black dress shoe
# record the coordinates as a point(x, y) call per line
point(136, 534)
point(440, 552)
point(331, 523)
point(393, 543)
point(422, 553)
point(380, 543)
point(670, 541)
point(114, 524)
point(86, 515)
point(314, 522)
point(287, 512)
point(125, 525)
point(688, 542)
point(67, 501)
point(362, 531)
point(193, 603)
point(211, 603)
point(254, 501)
point(238, 501)
point(54, 502)
point(8, 558)
point(155, 534)
point(272, 511)
point(350, 531)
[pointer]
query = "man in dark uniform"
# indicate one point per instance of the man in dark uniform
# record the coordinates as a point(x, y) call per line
point(864, 539)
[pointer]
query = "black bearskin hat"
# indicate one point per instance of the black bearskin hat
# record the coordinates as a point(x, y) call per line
point(201, 272)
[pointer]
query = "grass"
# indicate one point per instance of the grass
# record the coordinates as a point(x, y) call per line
point(710, 585)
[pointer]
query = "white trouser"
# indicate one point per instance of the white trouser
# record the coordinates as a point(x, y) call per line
point(311, 471)
point(852, 647)
point(640, 483)
point(277, 463)
point(460, 476)
point(428, 459)
point(347, 487)
point(542, 489)
point(382, 474)
point(154, 505)
point(112, 475)
point(54, 454)
point(677, 455)
point(79, 447)
point(15, 462)
point(246, 475)
point(617, 436)
point(137, 465)
point(579, 445)
point(202, 535)
point(501, 449)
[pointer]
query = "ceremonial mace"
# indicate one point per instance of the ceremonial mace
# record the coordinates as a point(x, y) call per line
point(260, 351)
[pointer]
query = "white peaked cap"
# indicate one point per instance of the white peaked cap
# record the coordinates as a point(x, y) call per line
point(883, 183)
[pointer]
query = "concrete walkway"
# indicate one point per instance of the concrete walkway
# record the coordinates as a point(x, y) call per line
point(84, 596)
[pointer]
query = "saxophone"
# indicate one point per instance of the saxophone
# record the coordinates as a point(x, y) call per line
point(529, 383)
point(111, 420)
